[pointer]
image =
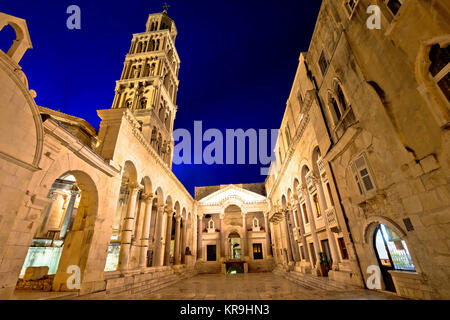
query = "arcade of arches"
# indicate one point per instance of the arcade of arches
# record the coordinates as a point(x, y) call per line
point(359, 184)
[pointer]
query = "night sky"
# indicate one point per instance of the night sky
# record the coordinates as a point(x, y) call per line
point(238, 62)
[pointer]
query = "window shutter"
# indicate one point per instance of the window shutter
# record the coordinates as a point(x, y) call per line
point(362, 175)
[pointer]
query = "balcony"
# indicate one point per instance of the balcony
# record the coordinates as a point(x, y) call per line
point(348, 119)
point(309, 180)
point(321, 166)
point(332, 219)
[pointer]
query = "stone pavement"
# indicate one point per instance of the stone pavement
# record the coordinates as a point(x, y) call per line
point(252, 286)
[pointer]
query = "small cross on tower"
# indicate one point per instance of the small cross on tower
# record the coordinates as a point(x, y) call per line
point(166, 7)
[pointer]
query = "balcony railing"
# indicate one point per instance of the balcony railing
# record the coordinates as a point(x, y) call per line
point(321, 165)
point(332, 219)
point(309, 180)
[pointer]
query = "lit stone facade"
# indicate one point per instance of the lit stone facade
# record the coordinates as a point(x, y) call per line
point(369, 114)
point(233, 230)
point(117, 227)
point(362, 161)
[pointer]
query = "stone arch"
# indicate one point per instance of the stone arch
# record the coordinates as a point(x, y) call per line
point(130, 172)
point(368, 238)
point(283, 202)
point(232, 201)
point(169, 202)
point(233, 231)
point(22, 42)
point(78, 240)
point(147, 183)
point(304, 171)
point(314, 158)
point(289, 195)
point(296, 184)
point(159, 196)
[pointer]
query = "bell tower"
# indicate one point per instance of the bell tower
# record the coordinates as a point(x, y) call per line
point(149, 82)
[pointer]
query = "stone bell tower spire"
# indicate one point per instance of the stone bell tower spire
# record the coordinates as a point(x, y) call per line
point(149, 82)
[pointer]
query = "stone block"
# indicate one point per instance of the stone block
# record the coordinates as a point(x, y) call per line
point(429, 164)
point(35, 273)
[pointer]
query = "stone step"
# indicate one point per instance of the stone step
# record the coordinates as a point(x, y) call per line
point(310, 281)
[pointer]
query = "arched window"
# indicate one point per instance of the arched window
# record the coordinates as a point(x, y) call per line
point(391, 250)
point(157, 44)
point(341, 98)
point(288, 136)
point(139, 48)
point(440, 68)
point(143, 104)
point(152, 69)
point(153, 138)
point(336, 112)
point(129, 103)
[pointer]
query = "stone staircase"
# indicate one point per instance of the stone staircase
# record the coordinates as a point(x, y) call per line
point(311, 282)
point(119, 286)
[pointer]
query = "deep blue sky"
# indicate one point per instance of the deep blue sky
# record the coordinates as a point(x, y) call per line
point(238, 61)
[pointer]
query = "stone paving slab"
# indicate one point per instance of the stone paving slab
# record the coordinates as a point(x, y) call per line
point(252, 286)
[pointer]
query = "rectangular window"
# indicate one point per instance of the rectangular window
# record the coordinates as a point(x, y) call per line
point(323, 63)
point(363, 177)
point(302, 252)
point(305, 214)
point(211, 252)
point(257, 251)
point(343, 248)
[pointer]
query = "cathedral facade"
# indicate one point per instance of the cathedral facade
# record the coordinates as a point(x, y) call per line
point(360, 185)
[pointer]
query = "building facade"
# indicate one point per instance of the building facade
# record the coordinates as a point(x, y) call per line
point(364, 145)
point(360, 185)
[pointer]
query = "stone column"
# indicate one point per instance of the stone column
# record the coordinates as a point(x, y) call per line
point(301, 228)
point(124, 255)
point(199, 236)
point(244, 236)
point(145, 234)
point(323, 207)
point(68, 215)
point(223, 253)
point(266, 228)
point(183, 241)
point(157, 254)
point(312, 223)
point(294, 245)
point(169, 215)
point(176, 254)
point(285, 231)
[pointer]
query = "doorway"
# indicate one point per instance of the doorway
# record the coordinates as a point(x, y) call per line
point(234, 246)
point(211, 252)
point(392, 254)
point(327, 254)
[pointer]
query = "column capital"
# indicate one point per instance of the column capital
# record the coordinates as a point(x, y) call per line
point(134, 187)
point(302, 188)
point(147, 196)
point(169, 211)
point(315, 180)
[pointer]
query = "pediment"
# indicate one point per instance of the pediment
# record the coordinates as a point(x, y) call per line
point(234, 195)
